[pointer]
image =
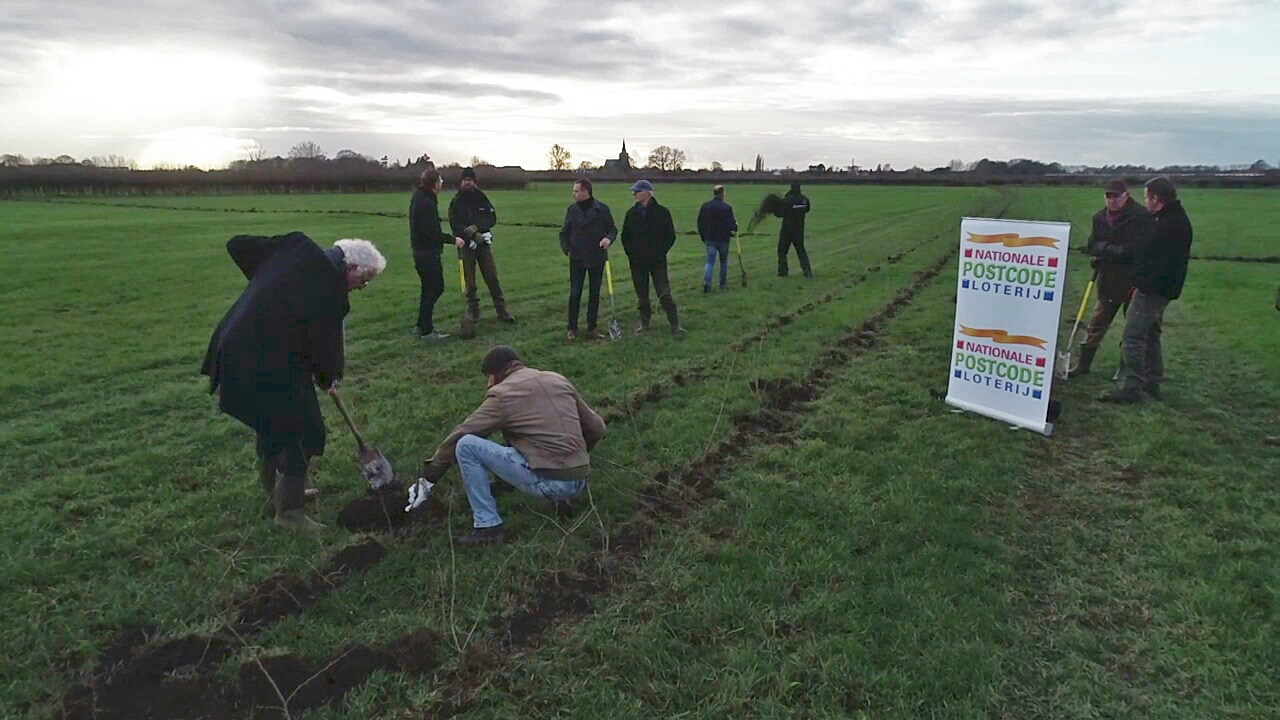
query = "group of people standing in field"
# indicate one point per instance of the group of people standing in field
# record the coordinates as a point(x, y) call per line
point(283, 337)
point(647, 235)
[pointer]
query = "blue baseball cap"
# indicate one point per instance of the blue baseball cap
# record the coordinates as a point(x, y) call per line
point(642, 185)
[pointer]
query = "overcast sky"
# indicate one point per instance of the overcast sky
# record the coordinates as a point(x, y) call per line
point(880, 81)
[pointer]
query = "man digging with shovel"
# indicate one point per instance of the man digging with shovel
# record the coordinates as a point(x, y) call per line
point(550, 432)
point(282, 335)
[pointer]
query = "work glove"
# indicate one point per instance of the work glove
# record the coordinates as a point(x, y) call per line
point(1112, 251)
point(1095, 261)
point(418, 493)
point(325, 381)
point(487, 237)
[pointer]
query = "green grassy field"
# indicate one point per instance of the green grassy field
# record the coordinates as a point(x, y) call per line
point(783, 522)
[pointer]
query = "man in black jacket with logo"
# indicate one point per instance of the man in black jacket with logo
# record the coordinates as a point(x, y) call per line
point(647, 234)
point(792, 230)
point(427, 239)
point(472, 217)
point(1161, 270)
point(1121, 222)
point(585, 236)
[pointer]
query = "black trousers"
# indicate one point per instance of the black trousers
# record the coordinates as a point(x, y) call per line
point(432, 277)
point(578, 274)
point(785, 242)
point(655, 269)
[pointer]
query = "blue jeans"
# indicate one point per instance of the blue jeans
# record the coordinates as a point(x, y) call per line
point(478, 457)
point(713, 249)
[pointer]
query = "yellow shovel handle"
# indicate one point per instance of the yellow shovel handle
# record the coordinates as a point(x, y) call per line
point(608, 274)
point(738, 239)
point(462, 281)
point(1084, 302)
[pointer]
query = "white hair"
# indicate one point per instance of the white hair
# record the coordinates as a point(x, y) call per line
point(362, 255)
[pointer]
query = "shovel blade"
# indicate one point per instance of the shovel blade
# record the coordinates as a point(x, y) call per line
point(1062, 365)
point(615, 330)
point(375, 467)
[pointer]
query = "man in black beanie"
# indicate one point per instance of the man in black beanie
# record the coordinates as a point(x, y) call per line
point(472, 217)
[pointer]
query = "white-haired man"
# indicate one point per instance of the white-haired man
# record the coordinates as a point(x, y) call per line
point(282, 335)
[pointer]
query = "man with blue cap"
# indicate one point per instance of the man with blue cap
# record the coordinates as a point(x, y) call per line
point(647, 235)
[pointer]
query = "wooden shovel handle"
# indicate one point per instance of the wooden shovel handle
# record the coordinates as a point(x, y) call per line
point(333, 393)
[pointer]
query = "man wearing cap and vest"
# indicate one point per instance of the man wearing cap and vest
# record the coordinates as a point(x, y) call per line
point(472, 217)
point(647, 235)
point(1123, 222)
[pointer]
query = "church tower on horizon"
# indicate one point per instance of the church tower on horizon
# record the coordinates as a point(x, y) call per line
point(622, 165)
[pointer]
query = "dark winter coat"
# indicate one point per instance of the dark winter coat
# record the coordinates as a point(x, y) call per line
point(716, 223)
point(471, 207)
point(793, 215)
point(647, 232)
point(1116, 277)
point(425, 236)
point(1161, 260)
point(283, 332)
point(582, 231)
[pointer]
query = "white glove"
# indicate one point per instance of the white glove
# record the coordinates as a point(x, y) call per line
point(418, 493)
point(487, 237)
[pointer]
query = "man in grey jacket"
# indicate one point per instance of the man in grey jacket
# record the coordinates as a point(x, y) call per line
point(549, 430)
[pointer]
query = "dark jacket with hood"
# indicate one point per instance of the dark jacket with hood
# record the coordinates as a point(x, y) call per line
point(1162, 262)
point(471, 207)
point(716, 223)
point(647, 232)
point(1133, 225)
point(793, 215)
point(425, 235)
point(585, 224)
point(284, 331)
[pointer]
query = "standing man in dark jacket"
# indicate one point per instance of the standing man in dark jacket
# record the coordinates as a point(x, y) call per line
point(792, 230)
point(427, 239)
point(472, 217)
point(1161, 264)
point(585, 236)
point(716, 225)
point(280, 336)
point(647, 236)
point(1121, 222)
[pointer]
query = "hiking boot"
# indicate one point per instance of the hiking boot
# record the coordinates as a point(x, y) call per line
point(643, 326)
point(1153, 391)
point(723, 286)
point(506, 317)
point(310, 493)
point(1273, 440)
point(473, 311)
point(483, 536)
point(706, 289)
point(434, 335)
point(678, 331)
point(1122, 396)
point(297, 520)
point(1086, 361)
point(594, 334)
point(571, 335)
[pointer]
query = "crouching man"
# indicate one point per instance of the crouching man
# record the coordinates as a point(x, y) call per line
point(549, 431)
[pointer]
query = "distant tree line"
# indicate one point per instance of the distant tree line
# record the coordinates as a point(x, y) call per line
point(307, 169)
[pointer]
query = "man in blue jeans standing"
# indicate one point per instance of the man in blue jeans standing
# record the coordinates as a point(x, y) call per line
point(549, 430)
point(716, 225)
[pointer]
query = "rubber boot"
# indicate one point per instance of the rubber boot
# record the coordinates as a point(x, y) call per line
point(1086, 361)
point(500, 309)
point(290, 494)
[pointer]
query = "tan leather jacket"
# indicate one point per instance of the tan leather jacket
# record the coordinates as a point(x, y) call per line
point(541, 414)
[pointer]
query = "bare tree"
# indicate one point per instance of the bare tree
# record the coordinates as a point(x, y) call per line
point(666, 158)
point(348, 155)
point(585, 166)
point(252, 150)
point(559, 158)
point(8, 160)
point(306, 150)
point(716, 166)
point(956, 165)
point(477, 161)
point(64, 160)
